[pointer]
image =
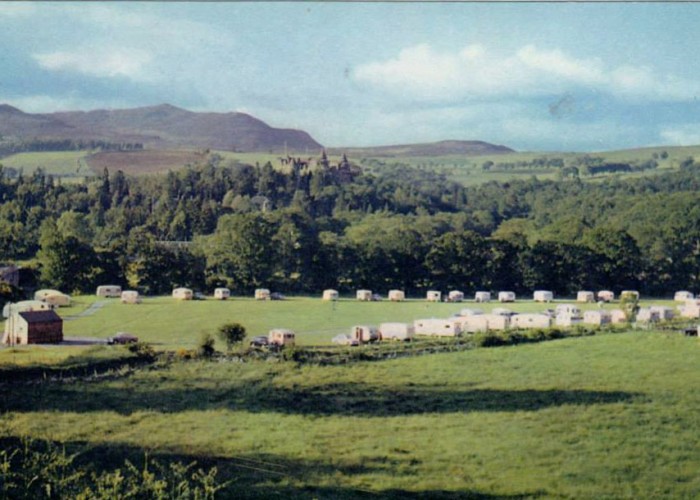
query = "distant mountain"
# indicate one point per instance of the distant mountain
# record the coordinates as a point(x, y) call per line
point(442, 148)
point(162, 126)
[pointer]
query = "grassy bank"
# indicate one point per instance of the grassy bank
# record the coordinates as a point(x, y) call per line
point(606, 416)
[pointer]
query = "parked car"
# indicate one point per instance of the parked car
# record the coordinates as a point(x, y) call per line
point(199, 296)
point(276, 296)
point(260, 341)
point(122, 338)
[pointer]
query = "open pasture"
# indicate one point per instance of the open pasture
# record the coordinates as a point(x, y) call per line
point(609, 416)
point(57, 163)
point(171, 324)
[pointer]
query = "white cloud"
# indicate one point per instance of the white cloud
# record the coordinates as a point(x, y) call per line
point(681, 135)
point(102, 63)
point(421, 72)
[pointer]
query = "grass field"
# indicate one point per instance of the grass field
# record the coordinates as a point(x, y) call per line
point(609, 416)
point(170, 324)
point(467, 169)
point(58, 163)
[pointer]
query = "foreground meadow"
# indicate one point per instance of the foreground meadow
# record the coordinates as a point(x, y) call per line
point(609, 416)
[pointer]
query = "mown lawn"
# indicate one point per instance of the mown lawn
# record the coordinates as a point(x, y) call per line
point(609, 416)
point(170, 324)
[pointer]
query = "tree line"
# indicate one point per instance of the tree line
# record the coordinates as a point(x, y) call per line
point(299, 231)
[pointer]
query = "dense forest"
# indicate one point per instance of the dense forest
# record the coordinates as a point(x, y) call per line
point(299, 230)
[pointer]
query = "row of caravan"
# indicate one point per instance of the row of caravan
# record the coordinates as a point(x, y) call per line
point(470, 321)
point(484, 296)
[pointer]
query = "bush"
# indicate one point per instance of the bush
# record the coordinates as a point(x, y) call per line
point(142, 350)
point(231, 334)
point(44, 470)
point(205, 347)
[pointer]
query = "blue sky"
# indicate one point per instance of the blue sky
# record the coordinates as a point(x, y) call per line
point(542, 76)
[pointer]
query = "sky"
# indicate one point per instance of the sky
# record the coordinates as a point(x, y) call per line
point(531, 76)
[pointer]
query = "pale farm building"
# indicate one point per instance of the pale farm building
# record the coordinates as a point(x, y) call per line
point(183, 293)
point(530, 320)
point(130, 297)
point(262, 294)
point(482, 297)
point(433, 296)
point(364, 333)
point(682, 296)
point(109, 291)
point(455, 296)
point(396, 331)
point(606, 296)
point(364, 295)
point(506, 296)
point(397, 295)
point(330, 294)
point(33, 327)
point(436, 327)
point(585, 296)
point(25, 305)
point(222, 293)
point(542, 296)
point(599, 317)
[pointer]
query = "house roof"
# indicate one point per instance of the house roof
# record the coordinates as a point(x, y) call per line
point(41, 316)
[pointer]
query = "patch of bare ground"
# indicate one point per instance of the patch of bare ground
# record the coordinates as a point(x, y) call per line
point(144, 162)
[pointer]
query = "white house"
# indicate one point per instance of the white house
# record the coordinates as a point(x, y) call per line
point(222, 293)
point(433, 296)
point(585, 296)
point(482, 297)
point(455, 296)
